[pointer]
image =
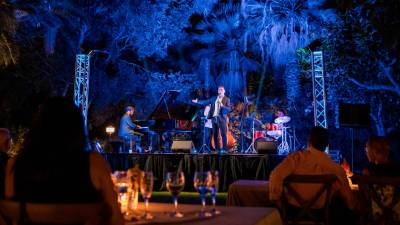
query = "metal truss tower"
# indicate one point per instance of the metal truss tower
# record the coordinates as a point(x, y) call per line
point(319, 90)
point(81, 85)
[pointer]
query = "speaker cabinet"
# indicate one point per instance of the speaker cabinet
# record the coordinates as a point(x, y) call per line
point(266, 147)
point(354, 115)
point(182, 146)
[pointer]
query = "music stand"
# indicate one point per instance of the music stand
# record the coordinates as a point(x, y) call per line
point(204, 148)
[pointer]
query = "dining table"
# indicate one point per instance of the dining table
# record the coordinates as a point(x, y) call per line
point(228, 215)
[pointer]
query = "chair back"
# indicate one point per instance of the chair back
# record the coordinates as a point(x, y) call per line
point(379, 198)
point(13, 212)
point(306, 214)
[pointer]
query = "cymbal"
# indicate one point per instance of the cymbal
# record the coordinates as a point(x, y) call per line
point(282, 119)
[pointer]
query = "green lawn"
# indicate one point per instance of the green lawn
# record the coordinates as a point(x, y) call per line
point(186, 197)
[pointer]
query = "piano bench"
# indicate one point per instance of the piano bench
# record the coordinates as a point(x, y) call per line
point(131, 143)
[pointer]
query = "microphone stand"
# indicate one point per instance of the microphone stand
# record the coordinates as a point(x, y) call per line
point(204, 148)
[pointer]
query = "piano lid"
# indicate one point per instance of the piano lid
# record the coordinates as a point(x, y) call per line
point(168, 107)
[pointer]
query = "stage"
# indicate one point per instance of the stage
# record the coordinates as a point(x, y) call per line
point(231, 167)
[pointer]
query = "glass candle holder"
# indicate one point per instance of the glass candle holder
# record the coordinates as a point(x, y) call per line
point(123, 196)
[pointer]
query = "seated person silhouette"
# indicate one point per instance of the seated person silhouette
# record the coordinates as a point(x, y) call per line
point(378, 151)
point(393, 139)
point(53, 166)
point(5, 146)
point(312, 161)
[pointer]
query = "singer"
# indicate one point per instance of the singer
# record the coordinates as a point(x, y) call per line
point(220, 107)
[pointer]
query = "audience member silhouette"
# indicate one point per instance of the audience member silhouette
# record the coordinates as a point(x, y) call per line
point(314, 161)
point(378, 150)
point(53, 166)
point(5, 145)
point(393, 139)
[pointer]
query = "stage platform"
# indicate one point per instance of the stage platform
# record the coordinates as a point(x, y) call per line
point(231, 167)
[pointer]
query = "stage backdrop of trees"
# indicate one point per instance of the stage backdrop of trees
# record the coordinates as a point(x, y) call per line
point(255, 48)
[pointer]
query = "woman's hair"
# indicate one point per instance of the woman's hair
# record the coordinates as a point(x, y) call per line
point(377, 149)
point(57, 128)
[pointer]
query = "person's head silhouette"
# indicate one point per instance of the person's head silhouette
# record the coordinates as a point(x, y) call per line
point(57, 128)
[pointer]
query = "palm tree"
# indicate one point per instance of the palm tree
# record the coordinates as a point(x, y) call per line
point(221, 34)
point(8, 51)
point(280, 27)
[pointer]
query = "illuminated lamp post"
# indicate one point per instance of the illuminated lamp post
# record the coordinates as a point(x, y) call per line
point(110, 130)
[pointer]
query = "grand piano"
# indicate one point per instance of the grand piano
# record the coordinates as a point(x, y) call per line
point(169, 117)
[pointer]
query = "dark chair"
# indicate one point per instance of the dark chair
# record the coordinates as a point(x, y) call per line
point(378, 198)
point(12, 212)
point(306, 214)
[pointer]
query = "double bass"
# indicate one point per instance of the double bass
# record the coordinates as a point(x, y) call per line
point(230, 140)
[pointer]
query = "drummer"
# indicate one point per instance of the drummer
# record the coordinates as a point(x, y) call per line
point(271, 125)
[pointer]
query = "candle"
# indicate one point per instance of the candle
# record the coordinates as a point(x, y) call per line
point(123, 200)
point(123, 195)
point(133, 200)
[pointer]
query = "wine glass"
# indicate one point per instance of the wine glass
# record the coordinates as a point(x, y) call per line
point(175, 182)
point(146, 188)
point(200, 182)
point(213, 188)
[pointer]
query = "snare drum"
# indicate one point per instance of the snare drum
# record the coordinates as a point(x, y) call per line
point(272, 126)
point(258, 134)
point(274, 133)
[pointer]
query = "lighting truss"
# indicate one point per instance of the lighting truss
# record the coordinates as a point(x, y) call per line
point(319, 90)
point(81, 85)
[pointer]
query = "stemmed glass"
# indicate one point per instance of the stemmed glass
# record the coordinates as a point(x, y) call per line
point(175, 182)
point(200, 182)
point(146, 188)
point(213, 187)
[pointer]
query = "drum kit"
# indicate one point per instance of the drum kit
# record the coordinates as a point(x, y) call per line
point(273, 132)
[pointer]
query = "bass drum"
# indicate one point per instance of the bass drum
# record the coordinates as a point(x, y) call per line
point(265, 145)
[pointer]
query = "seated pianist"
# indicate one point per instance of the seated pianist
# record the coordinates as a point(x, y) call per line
point(127, 133)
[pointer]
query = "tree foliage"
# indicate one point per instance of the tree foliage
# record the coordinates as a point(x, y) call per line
point(8, 50)
point(178, 44)
point(363, 67)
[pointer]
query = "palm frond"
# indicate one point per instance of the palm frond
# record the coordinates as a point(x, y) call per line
point(8, 51)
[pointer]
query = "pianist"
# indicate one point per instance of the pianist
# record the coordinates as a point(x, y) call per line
point(126, 130)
